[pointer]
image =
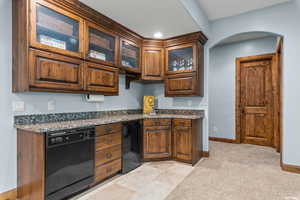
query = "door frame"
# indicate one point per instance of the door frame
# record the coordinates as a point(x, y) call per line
point(276, 80)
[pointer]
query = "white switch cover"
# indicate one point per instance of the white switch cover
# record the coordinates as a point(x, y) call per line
point(18, 106)
point(51, 105)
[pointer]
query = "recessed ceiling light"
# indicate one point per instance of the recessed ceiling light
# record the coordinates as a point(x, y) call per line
point(158, 35)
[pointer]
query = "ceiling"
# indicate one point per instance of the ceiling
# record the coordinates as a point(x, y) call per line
point(146, 17)
point(216, 9)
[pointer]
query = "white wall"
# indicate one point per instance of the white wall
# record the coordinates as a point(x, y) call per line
point(36, 103)
point(284, 20)
point(222, 82)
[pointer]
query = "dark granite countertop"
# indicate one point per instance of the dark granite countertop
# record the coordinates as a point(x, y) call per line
point(57, 126)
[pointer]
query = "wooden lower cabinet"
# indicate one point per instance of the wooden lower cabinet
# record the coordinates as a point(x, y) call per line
point(179, 139)
point(187, 140)
point(108, 151)
point(157, 140)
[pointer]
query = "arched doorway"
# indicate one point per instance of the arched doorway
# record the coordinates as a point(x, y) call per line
point(223, 123)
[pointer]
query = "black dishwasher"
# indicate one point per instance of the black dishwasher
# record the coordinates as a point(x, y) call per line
point(69, 162)
point(132, 146)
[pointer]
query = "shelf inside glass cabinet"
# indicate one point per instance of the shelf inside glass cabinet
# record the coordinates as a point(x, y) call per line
point(130, 55)
point(180, 59)
point(101, 45)
point(57, 30)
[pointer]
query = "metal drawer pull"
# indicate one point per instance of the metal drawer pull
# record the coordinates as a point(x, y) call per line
point(108, 129)
point(108, 155)
point(109, 141)
point(108, 170)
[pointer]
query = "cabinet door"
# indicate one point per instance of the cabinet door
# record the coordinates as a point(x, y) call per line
point(101, 45)
point(181, 85)
point(182, 59)
point(153, 63)
point(157, 143)
point(130, 56)
point(182, 143)
point(55, 29)
point(53, 71)
point(101, 79)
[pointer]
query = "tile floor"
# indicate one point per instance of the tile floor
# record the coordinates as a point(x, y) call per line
point(151, 181)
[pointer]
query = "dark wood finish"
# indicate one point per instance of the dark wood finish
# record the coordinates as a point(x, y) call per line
point(33, 19)
point(126, 68)
point(157, 139)
point(53, 71)
point(255, 99)
point(30, 165)
point(181, 85)
point(157, 122)
point(24, 37)
point(107, 170)
point(153, 63)
point(226, 140)
point(9, 195)
point(153, 60)
point(107, 155)
point(291, 168)
point(187, 140)
point(87, 42)
point(108, 129)
point(205, 154)
point(101, 79)
point(107, 141)
point(108, 151)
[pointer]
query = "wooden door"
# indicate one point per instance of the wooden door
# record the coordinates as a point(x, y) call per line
point(181, 85)
point(182, 143)
point(157, 142)
point(255, 99)
point(101, 79)
point(153, 63)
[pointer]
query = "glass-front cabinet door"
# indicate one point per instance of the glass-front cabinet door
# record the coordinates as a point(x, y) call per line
point(181, 59)
point(130, 56)
point(56, 30)
point(101, 45)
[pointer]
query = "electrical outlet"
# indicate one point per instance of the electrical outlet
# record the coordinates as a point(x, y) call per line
point(51, 105)
point(18, 106)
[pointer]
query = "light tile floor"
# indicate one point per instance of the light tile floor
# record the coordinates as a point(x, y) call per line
point(151, 181)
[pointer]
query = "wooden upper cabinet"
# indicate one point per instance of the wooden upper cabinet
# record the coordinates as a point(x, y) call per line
point(181, 59)
point(130, 56)
point(55, 29)
point(53, 71)
point(153, 63)
point(101, 79)
point(101, 45)
point(181, 85)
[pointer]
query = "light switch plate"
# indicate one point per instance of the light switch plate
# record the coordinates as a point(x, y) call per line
point(18, 106)
point(51, 105)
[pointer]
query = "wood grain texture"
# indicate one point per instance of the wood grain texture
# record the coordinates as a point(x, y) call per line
point(107, 155)
point(256, 121)
point(291, 168)
point(153, 63)
point(30, 165)
point(105, 171)
point(226, 140)
point(107, 141)
point(9, 195)
point(101, 79)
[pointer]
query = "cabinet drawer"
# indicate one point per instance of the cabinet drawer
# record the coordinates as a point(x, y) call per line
point(106, 141)
point(107, 170)
point(182, 122)
point(108, 129)
point(157, 122)
point(101, 79)
point(107, 155)
point(52, 71)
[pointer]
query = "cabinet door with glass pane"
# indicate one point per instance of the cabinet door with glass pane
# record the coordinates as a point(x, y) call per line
point(181, 59)
point(101, 45)
point(56, 30)
point(130, 56)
